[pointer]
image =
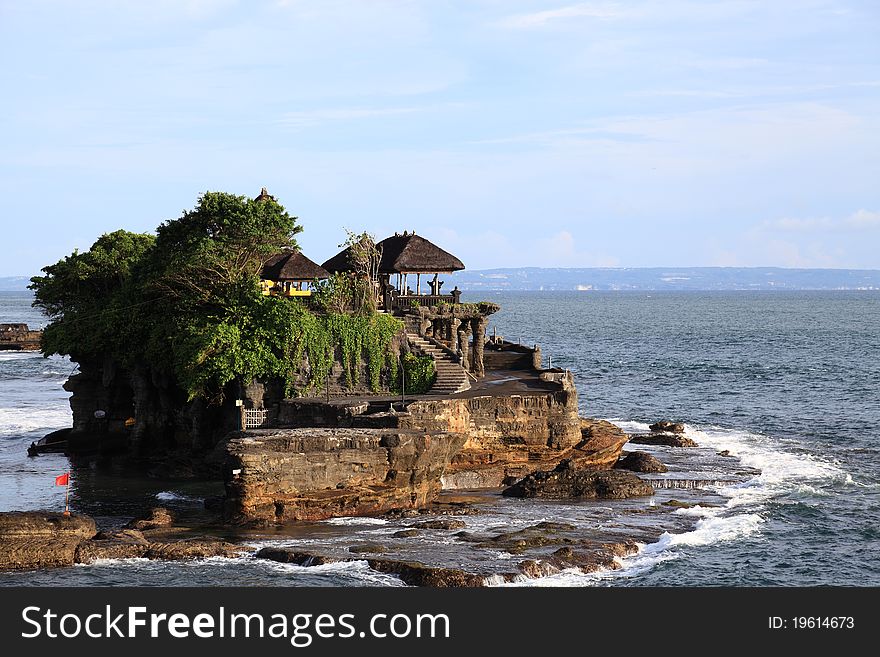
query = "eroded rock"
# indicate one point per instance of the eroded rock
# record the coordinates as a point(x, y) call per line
point(667, 426)
point(567, 482)
point(668, 439)
point(441, 523)
point(154, 519)
point(314, 474)
point(41, 539)
point(640, 462)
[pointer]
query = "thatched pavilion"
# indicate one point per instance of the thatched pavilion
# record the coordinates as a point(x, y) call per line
point(290, 274)
point(408, 257)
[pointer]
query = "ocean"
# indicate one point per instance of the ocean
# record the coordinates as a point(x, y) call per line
point(787, 382)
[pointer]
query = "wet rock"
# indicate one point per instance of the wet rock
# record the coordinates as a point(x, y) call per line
point(407, 533)
point(725, 452)
point(669, 439)
point(640, 462)
point(529, 538)
point(41, 539)
point(667, 426)
point(91, 551)
point(678, 504)
point(567, 482)
point(443, 523)
point(411, 572)
point(121, 544)
point(130, 535)
point(298, 557)
point(586, 558)
point(417, 574)
point(367, 548)
point(154, 519)
point(193, 549)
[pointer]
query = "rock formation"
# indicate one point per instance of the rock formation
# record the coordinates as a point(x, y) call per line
point(313, 474)
point(662, 438)
point(667, 426)
point(566, 481)
point(41, 539)
point(18, 337)
point(640, 462)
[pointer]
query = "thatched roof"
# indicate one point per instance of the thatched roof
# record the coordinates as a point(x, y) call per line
point(292, 266)
point(405, 253)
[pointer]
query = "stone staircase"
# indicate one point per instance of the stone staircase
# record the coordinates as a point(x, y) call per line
point(451, 377)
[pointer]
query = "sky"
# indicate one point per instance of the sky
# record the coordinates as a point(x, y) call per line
point(510, 132)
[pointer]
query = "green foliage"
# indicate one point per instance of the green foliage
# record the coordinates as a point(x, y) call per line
point(419, 374)
point(89, 296)
point(355, 291)
point(367, 337)
point(187, 303)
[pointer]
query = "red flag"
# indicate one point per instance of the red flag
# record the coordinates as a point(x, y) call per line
point(62, 480)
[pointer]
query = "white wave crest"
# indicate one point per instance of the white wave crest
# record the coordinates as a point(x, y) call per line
point(356, 520)
point(18, 421)
point(171, 496)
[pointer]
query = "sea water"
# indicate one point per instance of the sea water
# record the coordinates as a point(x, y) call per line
point(786, 382)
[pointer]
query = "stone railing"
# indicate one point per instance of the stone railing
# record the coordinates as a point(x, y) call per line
point(406, 301)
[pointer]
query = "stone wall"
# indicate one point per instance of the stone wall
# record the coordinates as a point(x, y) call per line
point(509, 356)
point(508, 435)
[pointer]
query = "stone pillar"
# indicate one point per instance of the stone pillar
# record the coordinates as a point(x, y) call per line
point(463, 344)
point(452, 332)
point(478, 327)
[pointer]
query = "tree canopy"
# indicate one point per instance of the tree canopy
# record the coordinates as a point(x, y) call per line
point(187, 302)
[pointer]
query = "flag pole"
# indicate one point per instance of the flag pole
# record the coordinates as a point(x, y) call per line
point(67, 495)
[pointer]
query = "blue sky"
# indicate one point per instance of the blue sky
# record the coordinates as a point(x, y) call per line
point(513, 133)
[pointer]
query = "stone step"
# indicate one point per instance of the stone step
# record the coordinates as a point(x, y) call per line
point(450, 375)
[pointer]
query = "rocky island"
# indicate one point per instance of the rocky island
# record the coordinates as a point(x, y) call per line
point(217, 350)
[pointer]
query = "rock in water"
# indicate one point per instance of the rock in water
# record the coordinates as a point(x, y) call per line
point(640, 462)
point(668, 439)
point(155, 518)
point(41, 539)
point(567, 482)
point(667, 426)
point(600, 446)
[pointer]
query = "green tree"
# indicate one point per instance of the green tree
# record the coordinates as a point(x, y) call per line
point(187, 304)
point(88, 296)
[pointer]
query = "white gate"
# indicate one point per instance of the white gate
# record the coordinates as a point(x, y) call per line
point(255, 418)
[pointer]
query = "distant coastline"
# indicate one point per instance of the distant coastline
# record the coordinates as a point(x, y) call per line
point(665, 278)
point(648, 279)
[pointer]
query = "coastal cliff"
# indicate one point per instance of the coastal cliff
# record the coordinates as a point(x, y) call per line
point(313, 474)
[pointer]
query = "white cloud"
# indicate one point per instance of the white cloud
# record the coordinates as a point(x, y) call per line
point(863, 219)
point(561, 250)
point(601, 11)
point(859, 220)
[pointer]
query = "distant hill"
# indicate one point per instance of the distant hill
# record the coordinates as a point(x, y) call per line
point(14, 283)
point(665, 278)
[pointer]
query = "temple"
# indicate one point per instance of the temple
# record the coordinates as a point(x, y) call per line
point(437, 324)
point(291, 274)
point(404, 259)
